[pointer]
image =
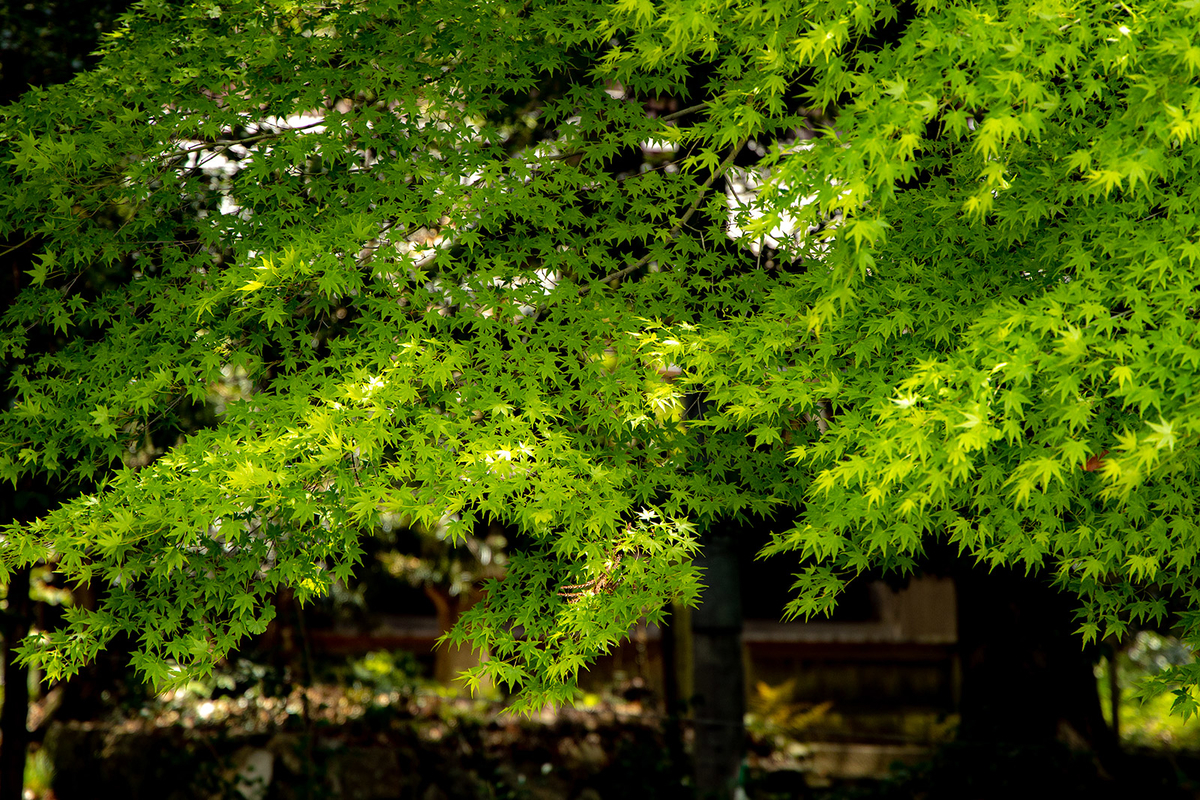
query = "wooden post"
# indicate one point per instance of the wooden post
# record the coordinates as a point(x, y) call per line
point(720, 691)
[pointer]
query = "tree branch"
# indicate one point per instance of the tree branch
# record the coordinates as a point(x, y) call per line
point(683, 112)
point(225, 144)
point(678, 226)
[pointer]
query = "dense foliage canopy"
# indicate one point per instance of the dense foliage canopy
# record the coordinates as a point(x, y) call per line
point(606, 274)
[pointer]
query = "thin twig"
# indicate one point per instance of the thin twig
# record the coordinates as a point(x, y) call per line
point(683, 112)
point(18, 245)
point(258, 137)
point(678, 226)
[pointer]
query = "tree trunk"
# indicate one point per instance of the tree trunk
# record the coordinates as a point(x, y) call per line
point(676, 659)
point(14, 733)
point(1026, 675)
point(1027, 682)
point(449, 661)
point(719, 702)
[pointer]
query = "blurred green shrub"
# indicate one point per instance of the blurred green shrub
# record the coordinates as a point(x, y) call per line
point(385, 672)
point(1148, 721)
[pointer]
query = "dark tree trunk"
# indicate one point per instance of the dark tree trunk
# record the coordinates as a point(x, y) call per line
point(83, 695)
point(674, 701)
point(1026, 675)
point(1028, 687)
point(14, 735)
point(719, 701)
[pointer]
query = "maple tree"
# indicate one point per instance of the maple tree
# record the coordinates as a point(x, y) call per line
point(606, 275)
